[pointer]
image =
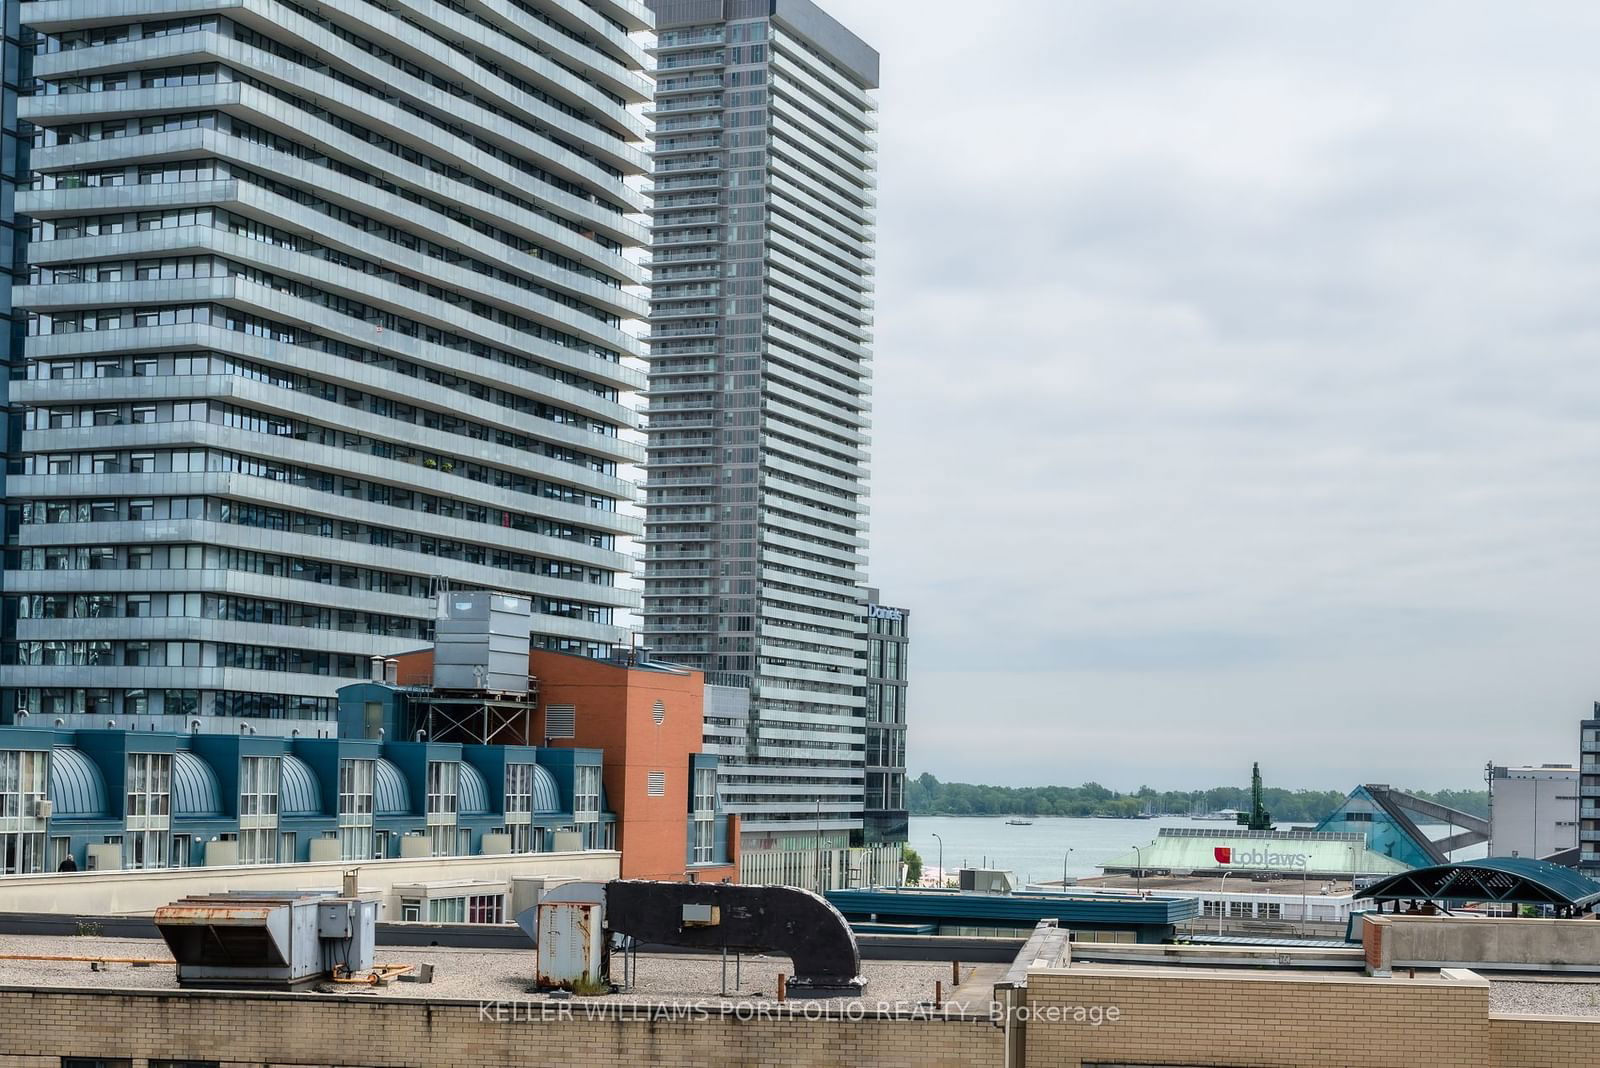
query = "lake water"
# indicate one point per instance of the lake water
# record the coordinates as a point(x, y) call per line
point(1035, 853)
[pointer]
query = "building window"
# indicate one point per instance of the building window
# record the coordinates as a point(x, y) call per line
point(586, 803)
point(257, 845)
point(442, 777)
point(355, 809)
point(447, 910)
point(148, 817)
point(705, 814)
point(519, 789)
point(22, 788)
point(258, 809)
point(519, 807)
point(705, 841)
point(258, 787)
point(486, 908)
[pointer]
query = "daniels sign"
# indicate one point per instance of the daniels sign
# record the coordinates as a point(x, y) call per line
point(1259, 858)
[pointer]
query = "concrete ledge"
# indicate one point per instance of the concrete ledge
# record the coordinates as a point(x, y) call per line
point(1455, 978)
point(1219, 956)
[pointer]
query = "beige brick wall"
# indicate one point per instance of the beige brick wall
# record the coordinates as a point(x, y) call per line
point(1164, 1016)
point(312, 1030)
point(1544, 1041)
point(1267, 1020)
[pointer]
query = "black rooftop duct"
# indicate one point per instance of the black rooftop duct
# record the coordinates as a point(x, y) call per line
point(757, 919)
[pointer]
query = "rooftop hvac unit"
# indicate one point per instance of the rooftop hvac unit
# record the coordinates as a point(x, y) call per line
point(103, 856)
point(569, 924)
point(572, 945)
point(267, 939)
point(985, 880)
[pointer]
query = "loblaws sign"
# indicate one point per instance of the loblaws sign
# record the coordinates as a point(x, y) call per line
point(1259, 858)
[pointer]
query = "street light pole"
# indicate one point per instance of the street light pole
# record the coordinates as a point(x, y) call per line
point(1222, 903)
point(819, 845)
point(1303, 873)
point(1138, 875)
point(1064, 862)
point(941, 859)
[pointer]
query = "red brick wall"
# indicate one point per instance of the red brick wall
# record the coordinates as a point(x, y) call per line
point(615, 713)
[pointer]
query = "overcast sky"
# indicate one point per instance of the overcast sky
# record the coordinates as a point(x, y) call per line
point(1238, 371)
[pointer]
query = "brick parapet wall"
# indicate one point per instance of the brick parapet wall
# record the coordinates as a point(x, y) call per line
point(38, 1027)
point(1262, 1020)
point(1164, 1016)
point(1544, 1041)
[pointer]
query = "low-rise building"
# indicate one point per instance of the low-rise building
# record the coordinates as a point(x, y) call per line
point(644, 721)
point(114, 799)
point(1533, 809)
point(1589, 795)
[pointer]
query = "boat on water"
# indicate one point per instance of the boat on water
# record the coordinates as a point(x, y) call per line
point(1019, 823)
point(1226, 815)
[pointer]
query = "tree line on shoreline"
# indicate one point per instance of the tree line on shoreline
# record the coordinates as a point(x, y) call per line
point(928, 796)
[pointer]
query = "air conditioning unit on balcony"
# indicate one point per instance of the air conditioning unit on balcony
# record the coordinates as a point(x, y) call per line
point(42, 808)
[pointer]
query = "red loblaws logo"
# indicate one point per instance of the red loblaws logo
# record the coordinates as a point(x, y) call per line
point(1224, 854)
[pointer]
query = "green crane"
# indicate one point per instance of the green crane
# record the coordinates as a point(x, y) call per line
point(1258, 818)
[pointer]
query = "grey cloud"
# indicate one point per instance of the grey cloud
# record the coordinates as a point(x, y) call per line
point(1236, 380)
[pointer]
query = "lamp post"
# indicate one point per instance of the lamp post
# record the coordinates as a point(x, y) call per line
point(819, 845)
point(1222, 903)
point(941, 859)
point(1304, 872)
point(1064, 863)
point(1138, 874)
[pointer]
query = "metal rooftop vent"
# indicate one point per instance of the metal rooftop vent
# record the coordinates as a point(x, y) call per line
point(267, 939)
point(704, 916)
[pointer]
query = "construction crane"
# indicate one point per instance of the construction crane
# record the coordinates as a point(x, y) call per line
point(1258, 818)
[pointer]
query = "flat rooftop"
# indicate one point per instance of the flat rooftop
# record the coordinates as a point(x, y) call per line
point(483, 974)
point(1237, 884)
point(502, 975)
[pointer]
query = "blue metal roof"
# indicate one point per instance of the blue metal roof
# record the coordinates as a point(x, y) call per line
point(472, 793)
point(389, 794)
point(893, 905)
point(77, 790)
point(195, 793)
point(546, 794)
point(1522, 880)
point(298, 791)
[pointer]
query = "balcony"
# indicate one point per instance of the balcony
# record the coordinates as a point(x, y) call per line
point(667, 574)
point(698, 122)
point(707, 479)
point(702, 422)
point(713, 179)
point(705, 404)
point(700, 255)
point(683, 85)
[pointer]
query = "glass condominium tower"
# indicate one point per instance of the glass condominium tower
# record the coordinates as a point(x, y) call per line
point(327, 313)
point(760, 372)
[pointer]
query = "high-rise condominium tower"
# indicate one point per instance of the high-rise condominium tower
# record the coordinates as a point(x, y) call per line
point(759, 393)
point(326, 313)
